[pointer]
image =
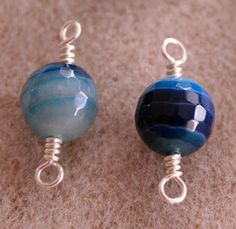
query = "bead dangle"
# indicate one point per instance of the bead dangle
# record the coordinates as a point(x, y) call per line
point(59, 102)
point(174, 117)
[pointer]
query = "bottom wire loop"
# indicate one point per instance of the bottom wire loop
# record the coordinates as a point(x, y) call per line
point(44, 166)
point(173, 172)
point(52, 149)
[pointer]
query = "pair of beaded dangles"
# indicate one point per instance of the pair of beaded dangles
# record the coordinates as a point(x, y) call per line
point(174, 116)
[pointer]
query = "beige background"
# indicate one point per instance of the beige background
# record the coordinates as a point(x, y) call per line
point(111, 177)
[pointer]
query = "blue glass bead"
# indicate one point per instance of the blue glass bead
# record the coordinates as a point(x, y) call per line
point(173, 115)
point(59, 100)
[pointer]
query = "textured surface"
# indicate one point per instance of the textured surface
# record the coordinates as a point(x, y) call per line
point(174, 114)
point(59, 100)
point(111, 177)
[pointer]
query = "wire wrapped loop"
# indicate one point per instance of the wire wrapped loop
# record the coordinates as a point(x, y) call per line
point(52, 150)
point(66, 51)
point(173, 68)
point(173, 172)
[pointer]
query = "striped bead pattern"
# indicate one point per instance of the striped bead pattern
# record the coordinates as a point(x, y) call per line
point(59, 100)
point(175, 115)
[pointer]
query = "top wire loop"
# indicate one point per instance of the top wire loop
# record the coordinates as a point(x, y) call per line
point(66, 52)
point(173, 68)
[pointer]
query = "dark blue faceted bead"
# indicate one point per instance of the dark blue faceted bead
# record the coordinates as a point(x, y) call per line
point(173, 115)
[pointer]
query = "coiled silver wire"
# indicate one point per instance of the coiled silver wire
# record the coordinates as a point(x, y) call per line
point(173, 67)
point(52, 151)
point(173, 171)
point(172, 164)
point(66, 51)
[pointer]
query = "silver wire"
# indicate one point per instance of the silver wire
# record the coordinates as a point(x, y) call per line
point(173, 172)
point(173, 68)
point(52, 150)
point(66, 51)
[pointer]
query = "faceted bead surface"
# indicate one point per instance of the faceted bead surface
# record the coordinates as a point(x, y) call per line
point(173, 115)
point(59, 100)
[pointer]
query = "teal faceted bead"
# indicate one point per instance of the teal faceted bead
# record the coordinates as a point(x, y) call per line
point(59, 100)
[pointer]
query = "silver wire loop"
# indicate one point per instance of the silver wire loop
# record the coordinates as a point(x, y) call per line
point(173, 68)
point(173, 172)
point(66, 50)
point(64, 30)
point(44, 166)
point(52, 150)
